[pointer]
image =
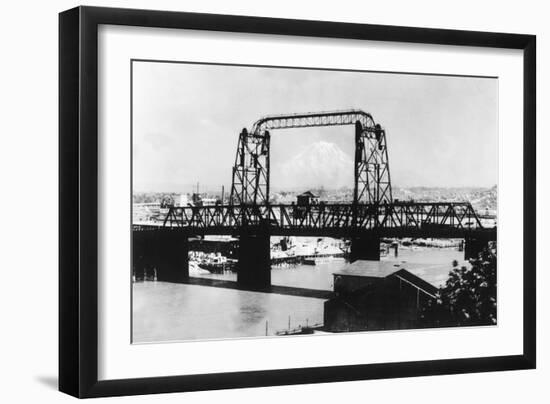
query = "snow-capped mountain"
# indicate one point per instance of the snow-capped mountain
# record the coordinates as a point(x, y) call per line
point(320, 164)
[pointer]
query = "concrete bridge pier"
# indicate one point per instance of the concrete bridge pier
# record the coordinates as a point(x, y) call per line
point(142, 254)
point(365, 246)
point(161, 253)
point(254, 268)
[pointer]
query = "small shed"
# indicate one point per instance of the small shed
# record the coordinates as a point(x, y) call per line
point(307, 198)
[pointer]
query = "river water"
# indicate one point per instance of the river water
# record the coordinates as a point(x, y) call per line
point(176, 312)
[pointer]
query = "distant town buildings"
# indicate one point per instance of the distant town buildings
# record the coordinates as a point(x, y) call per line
point(483, 200)
point(183, 200)
point(145, 212)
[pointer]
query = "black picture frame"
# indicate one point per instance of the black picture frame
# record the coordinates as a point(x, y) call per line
point(78, 206)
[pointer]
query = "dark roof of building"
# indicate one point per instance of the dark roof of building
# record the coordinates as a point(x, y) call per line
point(416, 281)
point(385, 269)
point(374, 269)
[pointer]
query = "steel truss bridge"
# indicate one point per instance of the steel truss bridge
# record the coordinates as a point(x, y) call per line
point(372, 209)
point(371, 214)
point(399, 219)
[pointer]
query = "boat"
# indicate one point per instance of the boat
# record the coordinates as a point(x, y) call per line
point(216, 264)
point(194, 269)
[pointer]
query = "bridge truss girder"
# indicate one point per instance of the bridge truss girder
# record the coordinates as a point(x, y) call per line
point(405, 219)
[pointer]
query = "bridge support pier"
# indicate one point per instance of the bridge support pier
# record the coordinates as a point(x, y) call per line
point(254, 269)
point(473, 246)
point(161, 254)
point(365, 247)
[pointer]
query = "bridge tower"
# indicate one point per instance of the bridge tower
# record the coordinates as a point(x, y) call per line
point(372, 169)
point(372, 185)
point(250, 183)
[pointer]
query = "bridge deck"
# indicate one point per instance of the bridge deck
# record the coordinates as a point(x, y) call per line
point(399, 219)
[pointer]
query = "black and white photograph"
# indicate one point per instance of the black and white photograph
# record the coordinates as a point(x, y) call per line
point(275, 201)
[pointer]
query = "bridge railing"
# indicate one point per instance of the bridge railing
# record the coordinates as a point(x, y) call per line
point(458, 215)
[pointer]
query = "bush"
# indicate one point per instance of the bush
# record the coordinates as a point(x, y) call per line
point(469, 295)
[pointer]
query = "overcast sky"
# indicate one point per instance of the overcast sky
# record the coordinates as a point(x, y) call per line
point(441, 131)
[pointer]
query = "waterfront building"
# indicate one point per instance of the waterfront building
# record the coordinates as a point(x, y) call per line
point(200, 200)
point(372, 295)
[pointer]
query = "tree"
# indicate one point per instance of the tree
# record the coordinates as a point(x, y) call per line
point(469, 295)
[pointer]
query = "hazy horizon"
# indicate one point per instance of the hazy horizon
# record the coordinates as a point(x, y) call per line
point(203, 190)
